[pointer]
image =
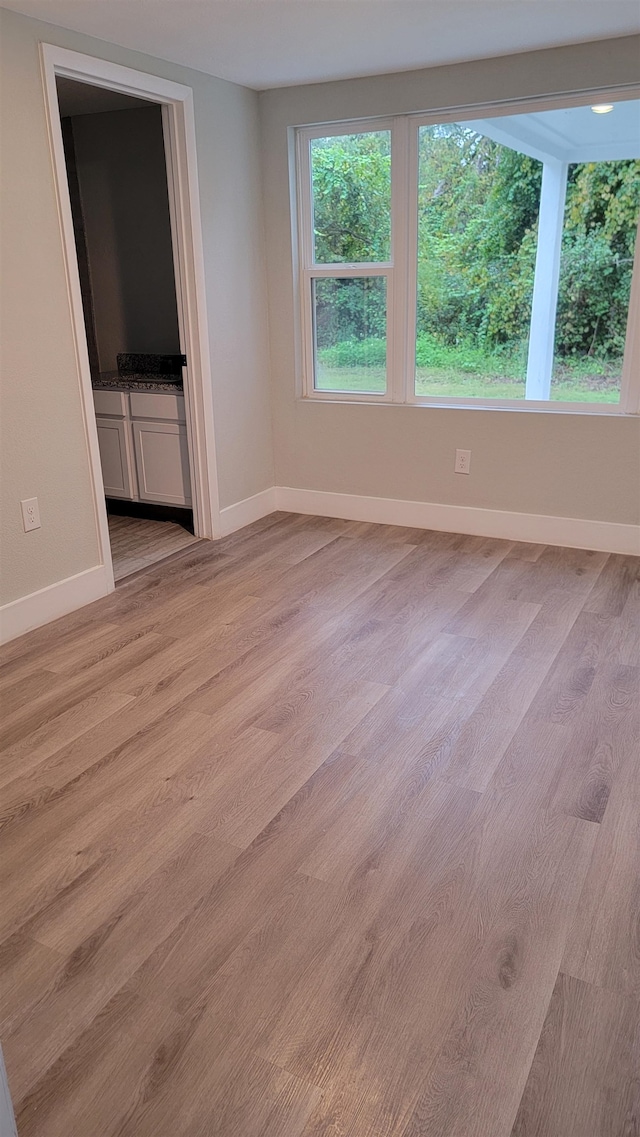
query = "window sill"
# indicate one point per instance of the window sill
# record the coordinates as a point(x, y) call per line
point(527, 406)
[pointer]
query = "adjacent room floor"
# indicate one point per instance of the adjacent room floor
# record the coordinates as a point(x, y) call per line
point(328, 830)
point(137, 542)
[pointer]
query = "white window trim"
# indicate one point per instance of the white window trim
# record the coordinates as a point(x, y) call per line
point(401, 270)
point(309, 270)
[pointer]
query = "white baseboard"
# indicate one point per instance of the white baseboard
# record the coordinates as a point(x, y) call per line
point(573, 532)
point(48, 604)
point(38, 608)
point(244, 512)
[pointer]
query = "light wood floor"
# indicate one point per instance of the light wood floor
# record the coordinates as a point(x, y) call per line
point(137, 542)
point(328, 830)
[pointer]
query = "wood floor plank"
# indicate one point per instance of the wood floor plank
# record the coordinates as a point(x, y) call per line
point(618, 584)
point(286, 769)
point(59, 697)
point(137, 542)
point(584, 1077)
point(78, 821)
point(501, 1014)
point(35, 747)
point(204, 941)
point(481, 742)
point(90, 1088)
point(102, 962)
point(389, 894)
point(604, 741)
point(388, 792)
point(299, 827)
point(251, 1097)
point(604, 946)
point(28, 970)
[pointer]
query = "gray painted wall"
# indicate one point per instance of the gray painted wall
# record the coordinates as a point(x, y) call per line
point(563, 465)
point(44, 450)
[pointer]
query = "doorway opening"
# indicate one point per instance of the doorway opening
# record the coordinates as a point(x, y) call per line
point(118, 191)
point(123, 147)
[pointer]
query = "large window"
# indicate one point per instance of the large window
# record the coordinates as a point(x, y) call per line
point(478, 261)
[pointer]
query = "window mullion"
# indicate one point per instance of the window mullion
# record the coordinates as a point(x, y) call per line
point(308, 337)
point(397, 295)
point(305, 201)
point(411, 267)
point(346, 271)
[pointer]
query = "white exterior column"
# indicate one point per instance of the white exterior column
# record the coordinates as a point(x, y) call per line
point(547, 276)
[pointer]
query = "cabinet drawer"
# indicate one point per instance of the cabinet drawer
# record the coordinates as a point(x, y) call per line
point(157, 405)
point(110, 403)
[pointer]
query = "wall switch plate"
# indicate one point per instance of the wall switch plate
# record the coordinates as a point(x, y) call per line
point(30, 514)
point(463, 462)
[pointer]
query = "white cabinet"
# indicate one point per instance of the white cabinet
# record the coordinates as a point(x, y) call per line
point(111, 403)
point(162, 462)
point(157, 404)
point(118, 471)
point(143, 446)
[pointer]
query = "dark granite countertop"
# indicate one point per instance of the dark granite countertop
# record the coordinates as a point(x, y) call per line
point(134, 381)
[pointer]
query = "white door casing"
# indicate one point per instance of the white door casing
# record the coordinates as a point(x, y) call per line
point(176, 101)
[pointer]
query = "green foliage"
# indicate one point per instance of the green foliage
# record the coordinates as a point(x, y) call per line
point(465, 357)
point(477, 213)
point(593, 297)
point(605, 197)
point(350, 309)
point(478, 207)
point(370, 352)
point(603, 203)
point(466, 371)
point(351, 179)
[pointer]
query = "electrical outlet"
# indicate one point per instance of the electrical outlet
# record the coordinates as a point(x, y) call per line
point(463, 462)
point(30, 514)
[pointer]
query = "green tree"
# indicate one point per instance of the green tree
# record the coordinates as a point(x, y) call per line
point(478, 204)
point(603, 203)
point(351, 180)
point(351, 183)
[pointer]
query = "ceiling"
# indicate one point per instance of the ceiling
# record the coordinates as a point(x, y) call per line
point(277, 43)
point(571, 134)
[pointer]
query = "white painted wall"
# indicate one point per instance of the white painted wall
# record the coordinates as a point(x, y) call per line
point(122, 176)
point(563, 465)
point(44, 450)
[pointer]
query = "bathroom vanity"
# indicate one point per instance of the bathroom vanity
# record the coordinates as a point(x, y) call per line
point(143, 439)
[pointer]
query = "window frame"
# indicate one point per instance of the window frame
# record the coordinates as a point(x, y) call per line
point(310, 269)
point(401, 270)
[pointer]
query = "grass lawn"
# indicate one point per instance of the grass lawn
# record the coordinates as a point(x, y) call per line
point(572, 383)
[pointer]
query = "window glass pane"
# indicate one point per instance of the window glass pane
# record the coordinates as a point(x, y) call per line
point(350, 324)
point(351, 189)
point(478, 204)
point(598, 240)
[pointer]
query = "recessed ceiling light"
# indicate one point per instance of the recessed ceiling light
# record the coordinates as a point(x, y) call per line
point(603, 108)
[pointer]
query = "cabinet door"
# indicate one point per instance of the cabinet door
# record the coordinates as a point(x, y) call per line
point(115, 456)
point(162, 462)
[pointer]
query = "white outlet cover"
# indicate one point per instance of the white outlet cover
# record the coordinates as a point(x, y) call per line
point(30, 514)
